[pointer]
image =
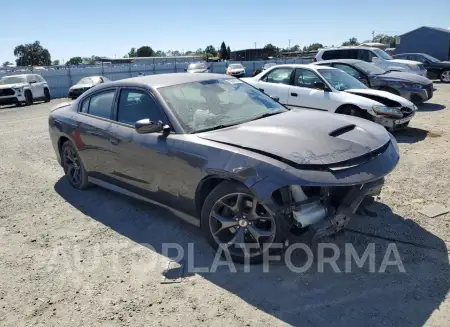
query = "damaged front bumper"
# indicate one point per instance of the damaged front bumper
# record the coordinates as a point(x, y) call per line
point(393, 124)
point(346, 209)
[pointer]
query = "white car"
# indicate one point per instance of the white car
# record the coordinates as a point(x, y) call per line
point(19, 89)
point(198, 67)
point(236, 70)
point(330, 89)
point(374, 55)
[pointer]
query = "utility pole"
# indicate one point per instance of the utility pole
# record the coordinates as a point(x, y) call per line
point(255, 45)
point(373, 35)
point(289, 48)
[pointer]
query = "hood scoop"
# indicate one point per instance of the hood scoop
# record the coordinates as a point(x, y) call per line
point(342, 130)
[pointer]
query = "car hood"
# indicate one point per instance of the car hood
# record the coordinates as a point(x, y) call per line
point(82, 86)
point(406, 62)
point(8, 86)
point(383, 97)
point(305, 137)
point(197, 70)
point(441, 63)
point(402, 76)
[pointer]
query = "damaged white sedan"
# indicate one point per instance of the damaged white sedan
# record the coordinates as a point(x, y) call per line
point(330, 89)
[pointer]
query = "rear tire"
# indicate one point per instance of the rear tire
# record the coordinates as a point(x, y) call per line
point(47, 95)
point(73, 167)
point(230, 217)
point(28, 98)
point(445, 76)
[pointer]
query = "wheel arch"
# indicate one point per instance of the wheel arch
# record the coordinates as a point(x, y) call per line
point(342, 106)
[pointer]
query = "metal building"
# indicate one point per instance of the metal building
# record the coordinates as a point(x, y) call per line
point(431, 40)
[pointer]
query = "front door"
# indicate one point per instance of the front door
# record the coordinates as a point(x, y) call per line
point(276, 83)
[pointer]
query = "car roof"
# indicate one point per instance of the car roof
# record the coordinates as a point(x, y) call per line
point(163, 80)
point(344, 61)
point(309, 66)
point(350, 47)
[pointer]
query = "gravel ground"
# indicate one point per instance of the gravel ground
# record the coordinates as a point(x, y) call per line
point(95, 258)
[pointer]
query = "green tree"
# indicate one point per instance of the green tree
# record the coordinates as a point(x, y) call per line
point(55, 62)
point(132, 53)
point(32, 54)
point(144, 51)
point(6, 63)
point(159, 53)
point(199, 51)
point(270, 47)
point(228, 53)
point(223, 51)
point(176, 53)
point(351, 41)
point(75, 61)
point(313, 47)
point(295, 48)
point(210, 51)
point(385, 39)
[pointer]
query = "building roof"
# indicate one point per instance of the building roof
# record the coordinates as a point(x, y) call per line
point(163, 80)
point(431, 28)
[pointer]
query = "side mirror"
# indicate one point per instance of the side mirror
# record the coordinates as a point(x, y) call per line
point(145, 126)
point(274, 97)
point(33, 82)
point(320, 86)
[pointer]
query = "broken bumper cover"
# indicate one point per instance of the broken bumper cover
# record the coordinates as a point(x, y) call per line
point(393, 123)
point(346, 209)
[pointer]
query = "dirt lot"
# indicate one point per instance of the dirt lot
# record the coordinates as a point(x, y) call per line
point(94, 258)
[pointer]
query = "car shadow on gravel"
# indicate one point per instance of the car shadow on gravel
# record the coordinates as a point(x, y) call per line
point(413, 135)
point(346, 296)
point(431, 107)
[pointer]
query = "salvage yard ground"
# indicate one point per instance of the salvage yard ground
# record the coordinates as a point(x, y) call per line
point(94, 258)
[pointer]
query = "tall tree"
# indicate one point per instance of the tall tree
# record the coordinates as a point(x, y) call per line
point(144, 51)
point(211, 51)
point(313, 47)
point(159, 53)
point(199, 51)
point(55, 62)
point(385, 39)
point(32, 54)
point(6, 64)
point(223, 51)
point(176, 53)
point(351, 41)
point(74, 61)
point(228, 53)
point(132, 53)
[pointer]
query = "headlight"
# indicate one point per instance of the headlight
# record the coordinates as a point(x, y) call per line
point(386, 111)
point(18, 89)
point(411, 85)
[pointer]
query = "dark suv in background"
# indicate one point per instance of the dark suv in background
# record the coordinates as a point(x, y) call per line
point(436, 69)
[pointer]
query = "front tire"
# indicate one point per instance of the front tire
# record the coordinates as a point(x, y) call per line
point(445, 76)
point(73, 167)
point(28, 98)
point(232, 218)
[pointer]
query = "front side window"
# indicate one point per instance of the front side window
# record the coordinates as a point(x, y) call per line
point(340, 80)
point(101, 103)
point(382, 54)
point(214, 103)
point(305, 78)
point(31, 79)
point(135, 105)
point(279, 76)
point(86, 80)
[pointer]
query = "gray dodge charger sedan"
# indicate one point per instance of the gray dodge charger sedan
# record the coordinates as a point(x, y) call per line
point(224, 156)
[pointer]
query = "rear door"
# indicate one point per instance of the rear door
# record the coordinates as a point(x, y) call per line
point(36, 89)
point(92, 137)
point(276, 82)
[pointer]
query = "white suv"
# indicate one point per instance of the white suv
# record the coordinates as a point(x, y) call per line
point(19, 89)
point(374, 55)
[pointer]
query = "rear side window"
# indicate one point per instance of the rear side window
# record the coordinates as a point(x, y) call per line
point(331, 54)
point(340, 54)
point(100, 104)
point(279, 76)
point(135, 105)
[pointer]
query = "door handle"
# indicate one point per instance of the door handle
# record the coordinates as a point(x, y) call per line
point(114, 141)
point(294, 94)
point(262, 90)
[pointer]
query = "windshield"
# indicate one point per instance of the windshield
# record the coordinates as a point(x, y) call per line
point(207, 104)
point(12, 80)
point(430, 58)
point(340, 80)
point(369, 69)
point(86, 80)
point(382, 54)
point(197, 66)
point(235, 66)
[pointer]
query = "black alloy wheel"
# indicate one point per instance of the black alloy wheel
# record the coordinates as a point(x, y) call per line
point(232, 218)
point(73, 167)
point(28, 98)
point(46, 95)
